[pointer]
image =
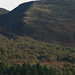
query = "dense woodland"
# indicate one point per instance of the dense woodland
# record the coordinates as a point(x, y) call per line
point(26, 69)
point(36, 69)
point(25, 49)
point(28, 49)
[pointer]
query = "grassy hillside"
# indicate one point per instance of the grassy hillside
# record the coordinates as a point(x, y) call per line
point(52, 20)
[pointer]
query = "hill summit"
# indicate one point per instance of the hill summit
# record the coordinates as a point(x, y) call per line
point(3, 11)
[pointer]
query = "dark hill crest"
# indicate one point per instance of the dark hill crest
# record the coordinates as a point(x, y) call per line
point(3, 11)
point(13, 21)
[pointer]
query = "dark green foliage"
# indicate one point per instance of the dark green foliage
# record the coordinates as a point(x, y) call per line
point(36, 69)
point(25, 69)
point(3, 69)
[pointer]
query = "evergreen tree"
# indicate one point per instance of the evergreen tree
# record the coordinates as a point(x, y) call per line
point(34, 70)
point(51, 71)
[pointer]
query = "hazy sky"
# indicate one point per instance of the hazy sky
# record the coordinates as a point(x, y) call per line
point(11, 4)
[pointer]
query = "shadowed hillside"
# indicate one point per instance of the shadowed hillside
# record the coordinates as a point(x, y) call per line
point(13, 21)
point(47, 20)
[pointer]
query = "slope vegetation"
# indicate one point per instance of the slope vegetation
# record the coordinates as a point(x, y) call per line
point(19, 49)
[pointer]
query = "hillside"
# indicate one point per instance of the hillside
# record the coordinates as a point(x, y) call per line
point(52, 21)
point(19, 49)
point(48, 20)
point(13, 21)
point(38, 32)
point(34, 30)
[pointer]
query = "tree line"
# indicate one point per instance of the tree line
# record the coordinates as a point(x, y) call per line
point(26, 69)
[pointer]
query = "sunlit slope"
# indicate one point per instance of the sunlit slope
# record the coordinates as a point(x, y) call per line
point(52, 20)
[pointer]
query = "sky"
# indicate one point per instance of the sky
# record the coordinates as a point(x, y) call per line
point(11, 4)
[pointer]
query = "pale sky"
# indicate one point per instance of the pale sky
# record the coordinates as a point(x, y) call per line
point(11, 4)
